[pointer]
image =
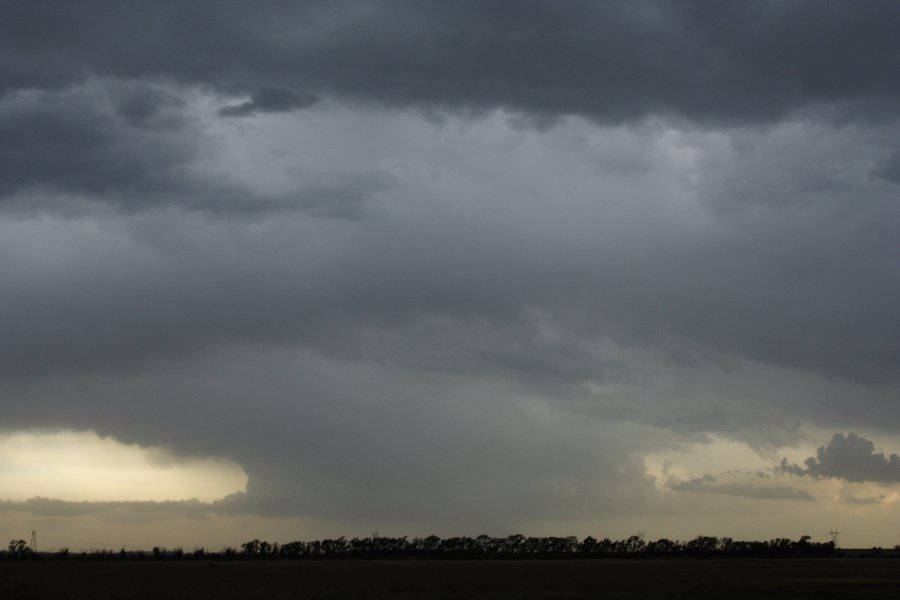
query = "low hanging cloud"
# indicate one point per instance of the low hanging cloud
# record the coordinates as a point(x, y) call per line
point(848, 457)
point(269, 100)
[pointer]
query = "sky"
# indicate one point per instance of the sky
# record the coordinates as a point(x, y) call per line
point(289, 270)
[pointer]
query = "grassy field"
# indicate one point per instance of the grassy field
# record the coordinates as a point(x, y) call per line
point(645, 578)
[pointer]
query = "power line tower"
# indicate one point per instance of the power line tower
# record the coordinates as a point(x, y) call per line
point(33, 543)
point(834, 537)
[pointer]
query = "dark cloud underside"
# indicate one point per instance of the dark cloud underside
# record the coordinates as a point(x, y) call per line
point(613, 61)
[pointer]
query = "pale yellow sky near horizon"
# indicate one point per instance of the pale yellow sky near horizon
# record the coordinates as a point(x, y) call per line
point(79, 466)
point(84, 467)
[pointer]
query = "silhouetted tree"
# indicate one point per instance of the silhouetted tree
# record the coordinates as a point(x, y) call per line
point(18, 549)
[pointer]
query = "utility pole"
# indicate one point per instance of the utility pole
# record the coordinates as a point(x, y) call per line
point(33, 543)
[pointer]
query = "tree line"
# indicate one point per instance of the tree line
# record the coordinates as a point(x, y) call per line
point(481, 547)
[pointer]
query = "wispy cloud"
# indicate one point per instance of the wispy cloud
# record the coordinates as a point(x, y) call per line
point(707, 485)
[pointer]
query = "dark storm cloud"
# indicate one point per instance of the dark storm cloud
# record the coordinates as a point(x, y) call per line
point(269, 100)
point(353, 297)
point(707, 61)
point(133, 146)
point(113, 143)
point(849, 457)
point(802, 288)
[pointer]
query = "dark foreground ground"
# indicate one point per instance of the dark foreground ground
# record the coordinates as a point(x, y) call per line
point(643, 578)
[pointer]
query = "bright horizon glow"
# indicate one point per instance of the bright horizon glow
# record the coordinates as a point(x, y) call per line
point(81, 466)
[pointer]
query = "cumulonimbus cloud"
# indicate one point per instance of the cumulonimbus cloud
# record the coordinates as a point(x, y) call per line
point(593, 206)
point(849, 457)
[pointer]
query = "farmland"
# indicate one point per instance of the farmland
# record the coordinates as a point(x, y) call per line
point(438, 579)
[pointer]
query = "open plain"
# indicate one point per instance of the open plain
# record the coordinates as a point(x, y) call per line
point(271, 580)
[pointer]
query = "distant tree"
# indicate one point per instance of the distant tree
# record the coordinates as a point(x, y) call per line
point(604, 546)
point(703, 545)
point(251, 548)
point(431, 543)
point(633, 544)
point(19, 549)
point(663, 547)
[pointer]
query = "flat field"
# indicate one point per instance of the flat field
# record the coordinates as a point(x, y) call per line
point(644, 578)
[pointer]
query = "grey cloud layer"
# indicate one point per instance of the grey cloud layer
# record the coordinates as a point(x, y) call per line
point(797, 286)
point(707, 61)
